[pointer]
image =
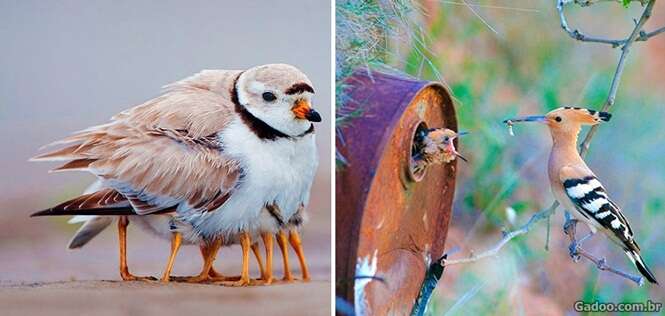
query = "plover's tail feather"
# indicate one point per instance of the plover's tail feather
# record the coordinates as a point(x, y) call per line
point(104, 202)
point(92, 227)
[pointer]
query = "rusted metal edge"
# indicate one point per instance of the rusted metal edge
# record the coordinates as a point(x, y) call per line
point(345, 266)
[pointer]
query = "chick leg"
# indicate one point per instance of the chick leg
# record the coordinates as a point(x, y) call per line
point(208, 253)
point(267, 243)
point(244, 280)
point(255, 250)
point(281, 242)
point(176, 240)
point(122, 241)
point(294, 239)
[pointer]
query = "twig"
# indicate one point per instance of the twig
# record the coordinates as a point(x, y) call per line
point(480, 17)
point(576, 251)
point(584, 146)
point(578, 35)
point(489, 6)
point(541, 215)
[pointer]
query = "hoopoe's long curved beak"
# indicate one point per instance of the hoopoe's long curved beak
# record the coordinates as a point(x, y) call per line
point(532, 118)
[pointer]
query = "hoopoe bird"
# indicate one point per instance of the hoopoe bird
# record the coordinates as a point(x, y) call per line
point(435, 146)
point(577, 188)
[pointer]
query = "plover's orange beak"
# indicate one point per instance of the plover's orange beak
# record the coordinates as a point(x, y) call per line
point(303, 111)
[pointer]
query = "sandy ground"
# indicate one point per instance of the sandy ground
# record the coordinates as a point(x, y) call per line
point(38, 276)
point(139, 298)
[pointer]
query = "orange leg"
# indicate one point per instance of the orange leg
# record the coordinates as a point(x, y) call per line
point(257, 255)
point(294, 239)
point(281, 242)
point(122, 240)
point(244, 280)
point(176, 240)
point(208, 253)
point(266, 276)
point(267, 243)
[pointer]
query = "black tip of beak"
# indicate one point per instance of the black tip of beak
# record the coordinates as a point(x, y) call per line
point(462, 133)
point(313, 116)
point(604, 116)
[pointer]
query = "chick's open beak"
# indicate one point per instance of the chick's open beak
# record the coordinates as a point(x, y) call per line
point(451, 147)
point(303, 111)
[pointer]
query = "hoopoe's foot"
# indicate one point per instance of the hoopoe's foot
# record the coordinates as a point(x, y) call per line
point(572, 250)
point(570, 226)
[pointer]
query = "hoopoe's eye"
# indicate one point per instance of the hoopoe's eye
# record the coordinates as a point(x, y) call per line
point(558, 118)
point(446, 139)
point(269, 96)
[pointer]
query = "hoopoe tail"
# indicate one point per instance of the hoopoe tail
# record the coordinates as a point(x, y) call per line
point(635, 257)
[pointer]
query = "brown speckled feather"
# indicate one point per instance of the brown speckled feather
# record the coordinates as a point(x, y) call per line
point(166, 147)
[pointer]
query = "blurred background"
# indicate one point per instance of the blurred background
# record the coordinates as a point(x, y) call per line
point(503, 58)
point(68, 65)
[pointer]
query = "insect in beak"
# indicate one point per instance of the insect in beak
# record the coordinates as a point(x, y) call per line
point(533, 118)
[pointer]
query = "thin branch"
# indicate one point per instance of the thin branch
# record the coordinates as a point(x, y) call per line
point(541, 215)
point(584, 146)
point(578, 35)
point(576, 251)
point(480, 17)
point(645, 36)
point(489, 6)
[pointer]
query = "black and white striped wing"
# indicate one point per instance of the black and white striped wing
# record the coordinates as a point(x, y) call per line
point(591, 199)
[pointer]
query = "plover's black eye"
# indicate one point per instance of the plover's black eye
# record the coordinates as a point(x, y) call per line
point(558, 118)
point(269, 96)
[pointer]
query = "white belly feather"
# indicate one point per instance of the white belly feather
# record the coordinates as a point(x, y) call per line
point(277, 171)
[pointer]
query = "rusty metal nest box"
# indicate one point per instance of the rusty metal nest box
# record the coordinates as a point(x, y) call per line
point(383, 207)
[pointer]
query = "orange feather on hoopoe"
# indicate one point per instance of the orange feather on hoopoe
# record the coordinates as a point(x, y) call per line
point(577, 188)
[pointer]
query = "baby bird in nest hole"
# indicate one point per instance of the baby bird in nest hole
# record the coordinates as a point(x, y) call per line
point(434, 146)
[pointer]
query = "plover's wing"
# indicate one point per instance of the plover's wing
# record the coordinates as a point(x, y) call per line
point(157, 155)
